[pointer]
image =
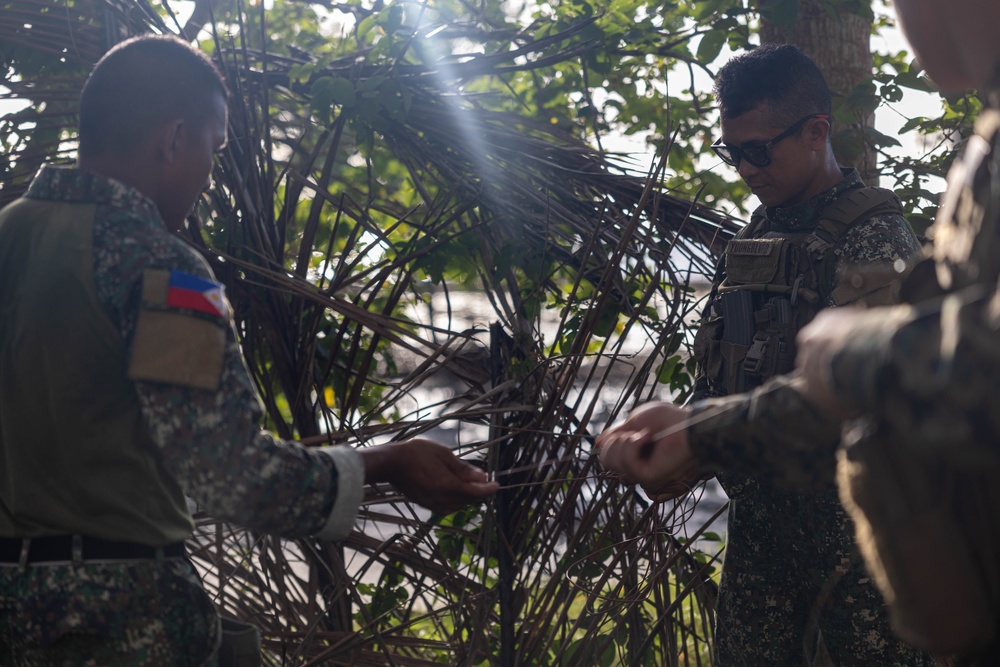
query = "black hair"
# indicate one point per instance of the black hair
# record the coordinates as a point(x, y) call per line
point(781, 76)
point(139, 84)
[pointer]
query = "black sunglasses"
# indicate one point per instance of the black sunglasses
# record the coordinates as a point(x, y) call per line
point(755, 153)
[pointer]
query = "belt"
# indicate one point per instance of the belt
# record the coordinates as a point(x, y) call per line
point(60, 548)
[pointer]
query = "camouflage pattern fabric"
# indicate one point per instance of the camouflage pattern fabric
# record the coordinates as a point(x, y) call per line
point(209, 440)
point(155, 612)
point(106, 614)
point(771, 431)
point(792, 568)
point(792, 572)
point(927, 374)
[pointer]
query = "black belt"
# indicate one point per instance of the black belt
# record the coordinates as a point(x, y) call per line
point(60, 548)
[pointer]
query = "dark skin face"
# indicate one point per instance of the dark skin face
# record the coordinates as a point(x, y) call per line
point(187, 163)
point(802, 165)
point(173, 164)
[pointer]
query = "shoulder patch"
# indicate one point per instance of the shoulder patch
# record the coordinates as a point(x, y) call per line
point(176, 289)
point(196, 293)
point(173, 346)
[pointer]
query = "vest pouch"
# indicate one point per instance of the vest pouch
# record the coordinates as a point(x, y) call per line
point(914, 547)
point(736, 310)
point(706, 347)
point(757, 261)
point(732, 356)
point(772, 351)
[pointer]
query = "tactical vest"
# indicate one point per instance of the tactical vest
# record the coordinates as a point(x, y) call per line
point(75, 453)
point(769, 285)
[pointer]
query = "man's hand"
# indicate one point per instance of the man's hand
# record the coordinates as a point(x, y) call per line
point(427, 473)
point(817, 343)
point(663, 466)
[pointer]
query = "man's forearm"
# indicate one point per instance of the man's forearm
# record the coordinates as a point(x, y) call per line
point(772, 432)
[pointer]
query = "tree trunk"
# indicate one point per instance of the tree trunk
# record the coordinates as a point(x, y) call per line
point(840, 45)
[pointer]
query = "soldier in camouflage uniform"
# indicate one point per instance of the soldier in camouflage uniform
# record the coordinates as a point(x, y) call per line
point(791, 572)
point(123, 389)
point(918, 464)
point(920, 469)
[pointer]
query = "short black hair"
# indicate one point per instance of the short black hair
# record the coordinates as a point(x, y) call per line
point(781, 76)
point(139, 84)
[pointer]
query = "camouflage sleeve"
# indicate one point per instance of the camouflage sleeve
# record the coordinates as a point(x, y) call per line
point(209, 439)
point(772, 431)
point(929, 372)
point(870, 258)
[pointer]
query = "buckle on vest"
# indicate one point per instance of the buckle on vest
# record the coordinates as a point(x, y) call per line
point(754, 359)
point(795, 289)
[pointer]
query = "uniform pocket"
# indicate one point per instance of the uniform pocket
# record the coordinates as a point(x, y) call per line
point(756, 261)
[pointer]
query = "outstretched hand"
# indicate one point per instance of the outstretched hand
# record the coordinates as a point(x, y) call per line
point(428, 473)
point(662, 465)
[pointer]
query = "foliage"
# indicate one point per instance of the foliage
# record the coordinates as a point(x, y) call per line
point(913, 175)
point(387, 160)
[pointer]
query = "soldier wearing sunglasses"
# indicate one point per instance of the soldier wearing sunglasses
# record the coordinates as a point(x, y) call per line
point(793, 584)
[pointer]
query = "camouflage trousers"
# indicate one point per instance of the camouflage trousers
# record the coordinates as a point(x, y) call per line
point(794, 588)
point(105, 614)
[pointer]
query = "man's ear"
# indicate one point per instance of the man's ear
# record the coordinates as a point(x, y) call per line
point(169, 137)
point(818, 132)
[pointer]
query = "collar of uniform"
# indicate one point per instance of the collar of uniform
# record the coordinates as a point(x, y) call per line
point(72, 184)
point(805, 215)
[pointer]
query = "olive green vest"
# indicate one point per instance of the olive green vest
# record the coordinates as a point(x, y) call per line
point(75, 455)
point(769, 285)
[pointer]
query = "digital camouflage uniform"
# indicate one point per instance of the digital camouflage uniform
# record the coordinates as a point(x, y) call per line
point(204, 441)
point(927, 375)
point(791, 565)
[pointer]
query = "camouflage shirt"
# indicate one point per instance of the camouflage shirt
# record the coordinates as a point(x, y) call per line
point(748, 434)
point(209, 440)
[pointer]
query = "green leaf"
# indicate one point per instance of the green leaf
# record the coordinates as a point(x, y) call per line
point(532, 306)
point(667, 370)
point(891, 93)
point(711, 44)
point(366, 26)
point(342, 91)
point(321, 97)
point(911, 124)
point(606, 321)
point(914, 79)
point(301, 73)
point(394, 100)
point(879, 138)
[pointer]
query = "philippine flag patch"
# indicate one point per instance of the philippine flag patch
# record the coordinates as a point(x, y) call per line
point(196, 293)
